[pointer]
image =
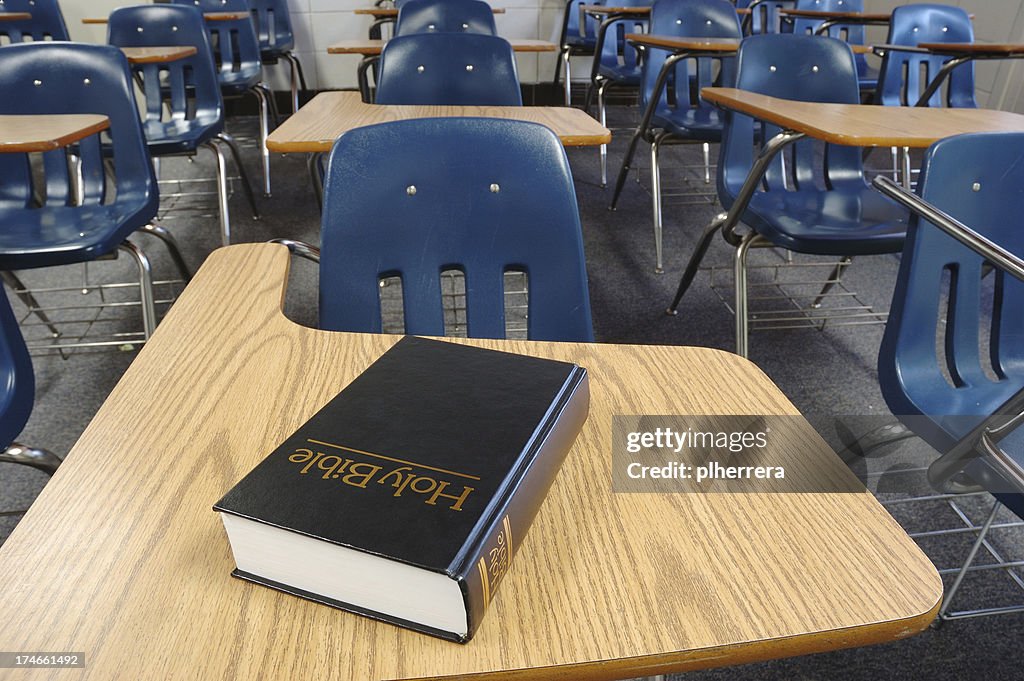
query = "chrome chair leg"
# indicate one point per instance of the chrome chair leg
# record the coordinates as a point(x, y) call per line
point(40, 459)
point(656, 201)
point(908, 176)
point(222, 192)
point(264, 104)
point(566, 58)
point(947, 600)
point(243, 173)
point(293, 67)
point(740, 284)
point(172, 247)
point(602, 117)
point(29, 300)
point(706, 147)
point(145, 286)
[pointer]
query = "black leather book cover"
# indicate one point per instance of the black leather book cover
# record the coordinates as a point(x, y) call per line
point(438, 455)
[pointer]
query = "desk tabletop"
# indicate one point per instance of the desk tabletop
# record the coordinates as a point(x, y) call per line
point(158, 54)
point(15, 16)
point(853, 17)
point(684, 44)
point(975, 49)
point(33, 134)
point(209, 16)
point(611, 9)
point(862, 125)
point(331, 114)
point(368, 48)
point(122, 557)
point(382, 12)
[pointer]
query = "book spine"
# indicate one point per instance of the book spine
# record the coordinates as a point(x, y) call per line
point(487, 567)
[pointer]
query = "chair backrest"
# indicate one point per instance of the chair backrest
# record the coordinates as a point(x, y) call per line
point(273, 25)
point(571, 21)
point(17, 380)
point(616, 52)
point(445, 16)
point(74, 78)
point(187, 87)
point(455, 68)
point(798, 67)
point(851, 33)
point(904, 75)
point(953, 348)
point(47, 22)
point(764, 17)
point(236, 49)
point(484, 196)
point(692, 19)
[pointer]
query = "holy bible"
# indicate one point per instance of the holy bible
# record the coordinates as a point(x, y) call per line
point(406, 497)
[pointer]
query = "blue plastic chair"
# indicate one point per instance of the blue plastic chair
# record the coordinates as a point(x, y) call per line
point(683, 116)
point(616, 62)
point(952, 357)
point(574, 42)
point(17, 392)
point(484, 196)
point(445, 16)
point(184, 110)
point(277, 41)
point(764, 15)
point(70, 78)
point(236, 50)
point(47, 22)
point(802, 206)
point(454, 68)
point(900, 82)
point(853, 34)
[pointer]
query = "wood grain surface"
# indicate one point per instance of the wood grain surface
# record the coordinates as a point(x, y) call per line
point(381, 12)
point(123, 559)
point(610, 9)
point(331, 114)
point(862, 125)
point(974, 49)
point(847, 17)
point(367, 47)
point(38, 133)
point(209, 16)
point(15, 16)
point(683, 44)
point(158, 54)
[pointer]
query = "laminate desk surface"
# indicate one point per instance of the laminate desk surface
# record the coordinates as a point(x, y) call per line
point(383, 12)
point(158, 54)
point(369, 48)
point(209, 16)
point(975, 49)
point(671, 42)
point(865, 125)
point(39, 133)
point(611, 9)
point(316, 126)
point(15, 16)
point(121, 557)
point(837, 17)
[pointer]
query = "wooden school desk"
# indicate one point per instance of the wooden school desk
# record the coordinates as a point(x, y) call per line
point(855, 125)
point(15, 16)
point(27, 134)
point(158, 54)
point(209, 16)
point(961, 53)
point(830, 19)
point(122, 558)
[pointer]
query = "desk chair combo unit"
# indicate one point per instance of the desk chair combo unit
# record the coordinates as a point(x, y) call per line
point(45, 23)
point(670, 86)
point(418, 199)
point(86, 210)
point(574, 40)
point(236, 50)
point(788, 201)
point(616, 61)
point(184, 109)
point(277, 41)
point(951, 365)
point(867, 77)
point(911, 76)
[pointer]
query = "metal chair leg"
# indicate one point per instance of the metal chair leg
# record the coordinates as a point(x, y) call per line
point(947, 600)
point(706, 147)
point(740, 284)
point(695, 260)
point(566, 58)
point(145, 286)
point(40, 459)
point(172, 247)
point(264, 104)
point(29, 300)
point(222, 192)
point(293, 66)
point(316, 178)
point(242, 172)
point(602, 117)
point(656, 201)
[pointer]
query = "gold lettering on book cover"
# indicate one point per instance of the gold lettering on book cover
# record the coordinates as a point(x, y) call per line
point(495, 562)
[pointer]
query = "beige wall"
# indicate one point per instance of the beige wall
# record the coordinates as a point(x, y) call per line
point(999, 83)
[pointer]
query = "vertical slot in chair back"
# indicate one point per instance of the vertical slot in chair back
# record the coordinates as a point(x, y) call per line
point(445, 16)
point(905, 75)
point(953, 349)
point(619, 59)
point(416, 198)
point(458, 69)
point(236, 49)
point(273, 25)
point(47, 22)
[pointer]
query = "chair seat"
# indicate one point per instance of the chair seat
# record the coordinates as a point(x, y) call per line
point(180, 136)
point(621, 74)
point(62, 235)
point(238, 82)
point(584, 42)
point(277, 50)
point(867, 78)
point(700, 123)
point(842, 221)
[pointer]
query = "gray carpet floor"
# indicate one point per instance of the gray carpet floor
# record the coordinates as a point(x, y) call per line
point(827, 373)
